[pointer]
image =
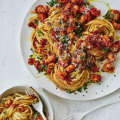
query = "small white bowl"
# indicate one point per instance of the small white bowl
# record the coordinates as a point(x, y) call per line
point(42, 95)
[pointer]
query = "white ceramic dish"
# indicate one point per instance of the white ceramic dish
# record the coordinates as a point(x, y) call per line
point(110, 82)
point(43, 97)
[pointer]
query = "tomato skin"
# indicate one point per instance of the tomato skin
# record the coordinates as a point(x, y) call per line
point(95, 12)
point(21, 109)
point(108, 67)
point(42, 9)
point(80, 2)
point(74, 1)
point(37, 65)
point(43, 42)
point(63, 1)
point(50, 59)
point(67, 7)
point(61, 75)
point(115, 47)
point(7, 103)
point(94, 68)
point(42, 17)
point(75, 9)
point(106, 41)
point(31, 61)
point(110, 57)
point(31, 24)
point(70, 29)
point(70, 68)
point(95, 78)
point(71, 19)
point(82, 9)
point(33, 97)
point(83, 19)
point(52, 36)
point(71, 36)
point(50, 67)
point(39, 119)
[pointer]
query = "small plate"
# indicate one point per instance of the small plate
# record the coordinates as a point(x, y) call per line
point(43, 97)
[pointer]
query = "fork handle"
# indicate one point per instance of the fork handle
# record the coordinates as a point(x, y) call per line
point(110, 101)
point(43, 116)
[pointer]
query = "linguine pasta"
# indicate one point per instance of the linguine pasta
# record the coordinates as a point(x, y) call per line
point(18, 107)
point(69, 43)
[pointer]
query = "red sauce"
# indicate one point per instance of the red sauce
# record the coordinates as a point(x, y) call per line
point(31, 61)
point(31, 24)
point(37, 65)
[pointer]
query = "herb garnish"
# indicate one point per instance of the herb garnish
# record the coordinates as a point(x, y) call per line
point(31, 56)
point(45, 73)
point(39, 32)
point(36, 112)
point(78, 30)
point(36, 22)
point(31, 49)
point(70, 92)
point(86, 2)
point(3, 102)
point(60, 4)
point(4, 112)
point(39, 58)
point(109, 15)
point(65, 39)
point(52, 3)
point(105, 50)
point(46, 68)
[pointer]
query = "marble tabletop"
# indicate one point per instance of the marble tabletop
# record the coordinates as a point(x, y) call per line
point(13, 71)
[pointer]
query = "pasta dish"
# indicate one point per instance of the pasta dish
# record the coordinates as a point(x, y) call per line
point(18, 107)
point(71, 45)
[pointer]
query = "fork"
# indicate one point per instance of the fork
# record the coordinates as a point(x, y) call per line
point(80, 116)
point(37, 106)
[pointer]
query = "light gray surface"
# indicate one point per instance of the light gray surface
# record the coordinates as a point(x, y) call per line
point(13, 71)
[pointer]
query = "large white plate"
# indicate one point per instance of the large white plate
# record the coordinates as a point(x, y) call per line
point(110, 82)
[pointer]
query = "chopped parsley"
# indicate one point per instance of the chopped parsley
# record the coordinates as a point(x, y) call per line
point(56, 60)
point(31, 49)
point(36, 112)
point(31, 56)
point(65, 39)
point(85, 87)
point(4, 112)
point(70, 92)
point(36, 22)
point(39, 32)
point(109, 15)
point(45, 73)
point(46, 68)
point(60, 4)
point(86, 2)
point(77, 17)
point(66, 58)
point(3, 102)
point(82, 57)
point(87, 67)
point(52, 3)
point(79, 89)
point(105, 50)
point(78, 30)
point(42, 66)
point(39, 58)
